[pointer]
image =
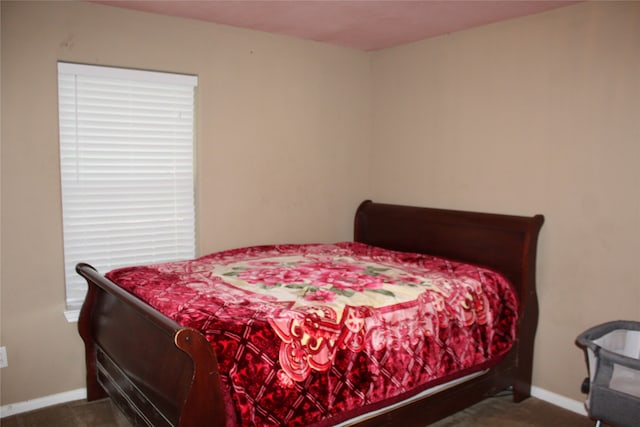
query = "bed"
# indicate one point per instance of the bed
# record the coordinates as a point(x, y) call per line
point(160, 373)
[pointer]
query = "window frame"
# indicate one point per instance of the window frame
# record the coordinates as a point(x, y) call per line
point(131, 75)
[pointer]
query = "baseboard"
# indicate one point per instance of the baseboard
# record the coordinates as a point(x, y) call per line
point(42, 402)
point(559, 400)
point(81, 393)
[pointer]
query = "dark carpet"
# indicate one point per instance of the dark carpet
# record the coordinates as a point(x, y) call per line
point(492, 412)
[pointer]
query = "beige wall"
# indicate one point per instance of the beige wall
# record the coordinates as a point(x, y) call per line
point(533, 115)
point(539, 114)
point(283, 132)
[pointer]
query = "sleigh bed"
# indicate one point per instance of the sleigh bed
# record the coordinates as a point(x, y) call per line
point(160, 372)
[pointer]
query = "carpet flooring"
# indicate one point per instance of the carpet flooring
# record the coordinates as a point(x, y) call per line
point(492, 412)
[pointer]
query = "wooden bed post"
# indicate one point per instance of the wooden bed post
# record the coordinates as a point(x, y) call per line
point(94, 389)
point(204, 399)
point(528, 323)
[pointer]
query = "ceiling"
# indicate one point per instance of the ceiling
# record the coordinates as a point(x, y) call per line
point(360, 24)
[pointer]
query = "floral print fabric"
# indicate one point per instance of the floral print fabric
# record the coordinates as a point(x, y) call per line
point(314, 334)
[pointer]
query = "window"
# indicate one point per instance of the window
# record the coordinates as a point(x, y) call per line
point(126, 164)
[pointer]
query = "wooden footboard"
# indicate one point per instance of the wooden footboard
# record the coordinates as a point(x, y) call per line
point(157, 372)
point(161, 374)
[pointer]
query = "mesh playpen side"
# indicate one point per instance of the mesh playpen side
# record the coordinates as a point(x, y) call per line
point(612, 351)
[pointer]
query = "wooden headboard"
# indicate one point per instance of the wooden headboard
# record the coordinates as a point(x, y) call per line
point(504, 243)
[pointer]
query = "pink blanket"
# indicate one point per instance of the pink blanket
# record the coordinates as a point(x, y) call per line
point(316, 334)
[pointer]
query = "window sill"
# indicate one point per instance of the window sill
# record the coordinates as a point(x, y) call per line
point(72, 315)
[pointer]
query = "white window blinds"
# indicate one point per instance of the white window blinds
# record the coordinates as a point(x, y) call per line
point(126, 163)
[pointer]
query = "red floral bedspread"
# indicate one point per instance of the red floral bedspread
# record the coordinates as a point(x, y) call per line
point(315, 334)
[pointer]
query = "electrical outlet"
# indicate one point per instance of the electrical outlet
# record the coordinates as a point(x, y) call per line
point(3, 357)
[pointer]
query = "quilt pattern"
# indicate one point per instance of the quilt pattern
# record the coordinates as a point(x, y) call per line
point(315, 334)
